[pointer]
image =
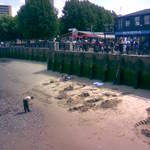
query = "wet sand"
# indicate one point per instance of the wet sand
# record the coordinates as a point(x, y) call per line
point(68, 115)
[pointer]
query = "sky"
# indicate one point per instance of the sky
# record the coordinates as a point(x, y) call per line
point(119, 6)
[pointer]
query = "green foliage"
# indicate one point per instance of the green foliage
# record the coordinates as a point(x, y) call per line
point(8, 28)
point(37, 20)
point(84, 15)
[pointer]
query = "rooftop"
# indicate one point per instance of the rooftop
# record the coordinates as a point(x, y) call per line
point(141, 12)
point(5, 5)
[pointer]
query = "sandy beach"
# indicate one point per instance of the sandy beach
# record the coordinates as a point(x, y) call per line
point(69, 115)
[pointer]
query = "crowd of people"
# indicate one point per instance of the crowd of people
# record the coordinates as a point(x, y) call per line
point(113, 46)
point(136, 46)
point(121, 45)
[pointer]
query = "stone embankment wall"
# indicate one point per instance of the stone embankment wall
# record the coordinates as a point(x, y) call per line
point(37, 54)
point(119, 69)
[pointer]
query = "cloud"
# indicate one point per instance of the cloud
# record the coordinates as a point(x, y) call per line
point(17, 6)
point(125, 6)
point(119, 6)
point(59, 4)
point(22, 1)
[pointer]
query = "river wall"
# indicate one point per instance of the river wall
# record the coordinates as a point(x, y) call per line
point(120, 69)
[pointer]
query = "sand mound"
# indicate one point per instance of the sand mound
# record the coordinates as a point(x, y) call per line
point(82, 107)
point(61, 95)
point(148, 111)
point(84, 94)
point(107, 94)
point(110, 103)
point(79, 107)
point(45, 84)
point(69, 101)
point(48, 83)
point(94, 100)
point(82, 98)
point(52, 81)
point(125, 93)
point(69, 88)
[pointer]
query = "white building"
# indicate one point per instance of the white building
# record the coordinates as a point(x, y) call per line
point(5, 9)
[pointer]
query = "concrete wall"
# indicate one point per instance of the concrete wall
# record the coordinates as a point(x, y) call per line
point(128, 70)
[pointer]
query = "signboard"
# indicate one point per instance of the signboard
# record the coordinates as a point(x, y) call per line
point(133, 32)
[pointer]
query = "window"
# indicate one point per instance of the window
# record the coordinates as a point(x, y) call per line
point(137, 21)
point(127, 23)
point(147, 20)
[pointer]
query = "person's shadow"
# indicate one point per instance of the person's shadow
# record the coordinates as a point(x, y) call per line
point(20, 113)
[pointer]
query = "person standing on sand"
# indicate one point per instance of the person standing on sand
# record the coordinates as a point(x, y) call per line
point(26, 103)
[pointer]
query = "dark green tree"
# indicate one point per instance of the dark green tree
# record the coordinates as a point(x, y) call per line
point(8, 28)
point(37, 20)
point(84, 15)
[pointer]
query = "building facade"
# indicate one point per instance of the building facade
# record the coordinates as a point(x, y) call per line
point(134, 26)
point(52, 2)
point(5, 9)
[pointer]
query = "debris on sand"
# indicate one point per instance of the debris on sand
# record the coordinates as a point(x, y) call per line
point(146, 132)
point(82, 107)
point(52, 81)
point(69, 101)
point(98, 84)
point(148, 110)
point(126, 93)
point(62, 95)
point(48, 83)
point(89, 105)
point(66, 78)
point(76, 108)
point(110, 103)
point(107, 94)
point(84, 94)
point(85, 100)
point(45, 84)
point(69, 88)
point(82, 85)
point(94, 100)
point(72, 100)
point(114, 95)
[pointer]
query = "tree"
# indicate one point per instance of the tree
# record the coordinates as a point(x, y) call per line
point(8, 28)
point(37, 20)
point(84, 15)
